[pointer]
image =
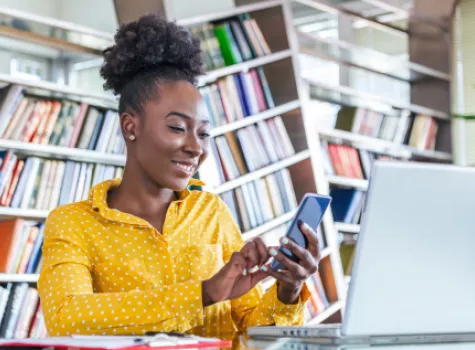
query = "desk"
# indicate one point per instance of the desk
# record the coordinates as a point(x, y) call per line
point(295, 344)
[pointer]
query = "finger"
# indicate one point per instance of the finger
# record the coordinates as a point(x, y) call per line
point(313, 246)
point(306, 259)
point(281, 275)
point(263, 252)
point(295, 269)
point(251, 254)
point(237, 263)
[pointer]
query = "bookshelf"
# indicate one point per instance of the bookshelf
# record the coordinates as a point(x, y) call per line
point(378, 102)
point(291, 167)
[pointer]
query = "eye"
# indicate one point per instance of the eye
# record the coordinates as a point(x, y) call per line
point(176, 129)
point(205, 135)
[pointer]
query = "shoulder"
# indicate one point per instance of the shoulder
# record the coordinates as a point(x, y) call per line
point(68, 215)
point(207, 200)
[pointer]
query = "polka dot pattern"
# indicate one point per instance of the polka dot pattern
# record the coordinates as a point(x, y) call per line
point(109, 272)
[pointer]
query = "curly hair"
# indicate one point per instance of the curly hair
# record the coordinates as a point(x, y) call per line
point(148, 53)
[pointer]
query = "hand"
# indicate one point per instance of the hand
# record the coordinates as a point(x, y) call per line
point(291, 279)
point(235, 279)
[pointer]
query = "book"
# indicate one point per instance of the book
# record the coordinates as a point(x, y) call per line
point(262, 200)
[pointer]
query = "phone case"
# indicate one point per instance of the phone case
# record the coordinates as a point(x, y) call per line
point(310, 211)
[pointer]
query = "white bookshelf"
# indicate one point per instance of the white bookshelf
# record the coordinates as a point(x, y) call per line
point(382, 146)
point(334, 47)
point(213, 75)
point(273, 112)
point(281, 164)
point(325, 314)
point(358, 184)
point(347, 228)
point(352, 92)
point(278, 221)
point(18, 277)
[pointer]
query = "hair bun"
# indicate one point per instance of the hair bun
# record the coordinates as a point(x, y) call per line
point(147, 44)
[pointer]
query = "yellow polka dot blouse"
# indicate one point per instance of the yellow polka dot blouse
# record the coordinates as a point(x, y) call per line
point(108, 272)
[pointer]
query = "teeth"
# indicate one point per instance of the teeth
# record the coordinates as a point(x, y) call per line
point(187, 168)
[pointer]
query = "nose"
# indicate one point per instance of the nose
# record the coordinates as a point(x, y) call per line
point(193, 145)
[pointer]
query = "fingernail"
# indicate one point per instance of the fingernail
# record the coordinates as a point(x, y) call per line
point(305, 226)
point(264, 268)
point(284, 240)
point(244, 272)
point(273, 252)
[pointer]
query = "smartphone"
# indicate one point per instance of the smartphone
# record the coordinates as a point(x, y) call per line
point(310, 211)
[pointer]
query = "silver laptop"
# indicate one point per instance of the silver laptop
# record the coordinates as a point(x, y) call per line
point(413, 277)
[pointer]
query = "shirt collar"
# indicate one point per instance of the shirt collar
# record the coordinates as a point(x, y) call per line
point(98, 197)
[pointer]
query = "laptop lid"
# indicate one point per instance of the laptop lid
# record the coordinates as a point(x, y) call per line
point(414, 267)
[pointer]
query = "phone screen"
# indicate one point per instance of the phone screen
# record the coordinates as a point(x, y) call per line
point(310, 211)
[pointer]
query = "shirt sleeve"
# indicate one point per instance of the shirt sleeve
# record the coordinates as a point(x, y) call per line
point(70, 305)
point(258, 308)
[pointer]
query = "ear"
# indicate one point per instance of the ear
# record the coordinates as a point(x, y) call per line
point(130, 125)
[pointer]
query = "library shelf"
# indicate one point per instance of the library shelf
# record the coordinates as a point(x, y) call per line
point(215, 74)
point(382, 146)
point(368, 59)
point(329, 311)
point(58, 152)
point(273, 112)
point(326, 6)
point(238, 10)
point(280, 220)
point(347, 228)
point(19, 277)
point(55, 23)
point(29, 214)
point(342, 181)
point(436, 155)
point(346, 90)
point(58, 88)
point(281, 164)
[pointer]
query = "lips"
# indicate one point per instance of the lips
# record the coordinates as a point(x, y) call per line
point(186, 167)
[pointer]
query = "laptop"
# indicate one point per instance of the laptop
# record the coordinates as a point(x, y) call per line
point(413, 275)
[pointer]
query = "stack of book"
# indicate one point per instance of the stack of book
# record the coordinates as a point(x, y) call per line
point(20, 251)
point(231, 41)
point(58, 122)
point(262, 200)
point(318, 300)
point(20, 312)
point(36, 183)
point(415, 130)
point(237, 96)
point(347, 161)
point(248, 149)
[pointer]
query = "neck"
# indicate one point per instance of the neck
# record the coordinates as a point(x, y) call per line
point(139, 195)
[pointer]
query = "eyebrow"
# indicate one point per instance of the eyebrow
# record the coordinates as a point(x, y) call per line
point(185, 116)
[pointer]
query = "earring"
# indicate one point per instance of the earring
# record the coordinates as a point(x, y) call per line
point(132, 137)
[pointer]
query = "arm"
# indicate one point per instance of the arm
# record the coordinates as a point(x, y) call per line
point(71, 306)
point(258, 307)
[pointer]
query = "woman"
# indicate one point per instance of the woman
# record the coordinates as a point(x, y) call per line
point(144, 253)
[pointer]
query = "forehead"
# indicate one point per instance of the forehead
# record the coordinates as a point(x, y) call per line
point(182, 97)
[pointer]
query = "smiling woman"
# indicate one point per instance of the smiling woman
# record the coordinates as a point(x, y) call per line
point(144, 253)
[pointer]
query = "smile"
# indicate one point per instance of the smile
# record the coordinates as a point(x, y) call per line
point(187, 168)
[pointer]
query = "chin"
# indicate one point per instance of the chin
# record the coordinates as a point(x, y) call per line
point(178, 184)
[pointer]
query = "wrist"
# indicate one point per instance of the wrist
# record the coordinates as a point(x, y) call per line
point(205, 297)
